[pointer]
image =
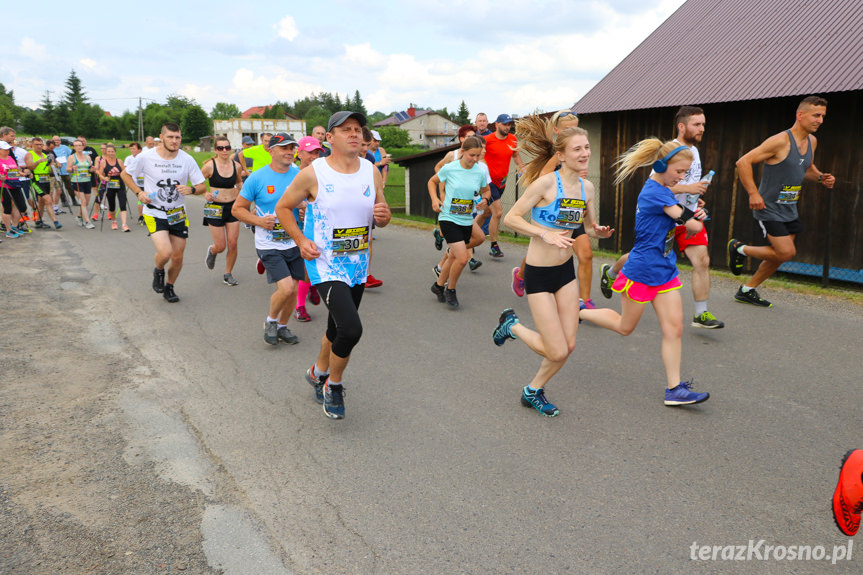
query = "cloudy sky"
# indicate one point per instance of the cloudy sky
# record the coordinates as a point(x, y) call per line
point(500, 56)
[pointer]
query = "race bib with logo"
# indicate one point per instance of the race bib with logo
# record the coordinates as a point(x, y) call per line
point(461, 207)
point(213, 211)
point(280, 234)
point(348, 241)
point(176, 215)
point(789, 195)
point(669, 243)
point(570, 212)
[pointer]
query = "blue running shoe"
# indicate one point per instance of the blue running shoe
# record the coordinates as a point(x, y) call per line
point(503, 331)
point(683, 395)
point(317, 383)
point(536, 399)
point(438, 240)
point(334, 401)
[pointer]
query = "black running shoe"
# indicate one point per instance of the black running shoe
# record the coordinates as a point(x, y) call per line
point(169, 294)
point(158, 280)
point(735, 258)
point(751, 297)
point(449, 296)
point(438, 291)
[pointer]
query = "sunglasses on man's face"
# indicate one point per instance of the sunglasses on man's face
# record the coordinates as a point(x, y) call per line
point(223, 148)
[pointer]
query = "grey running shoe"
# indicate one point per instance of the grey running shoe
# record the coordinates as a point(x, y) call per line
point(271, 332)
point(286, 336)
point(210, 260)
point(317, 383)
point(707, 320)
point(229, 280)
point(752, 297)
point(89, 226)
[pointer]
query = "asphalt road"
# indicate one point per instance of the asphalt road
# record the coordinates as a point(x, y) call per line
point(438, 468)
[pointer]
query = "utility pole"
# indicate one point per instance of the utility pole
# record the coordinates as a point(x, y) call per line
point(140, 121)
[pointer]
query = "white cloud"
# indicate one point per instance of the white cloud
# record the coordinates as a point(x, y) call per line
point(32, 50)
point(88, 63)
point(267, 89)
point(364, 55)
point(287, 28)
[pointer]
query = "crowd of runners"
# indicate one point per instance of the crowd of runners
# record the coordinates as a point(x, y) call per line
point(317, 201)
point(313, 204)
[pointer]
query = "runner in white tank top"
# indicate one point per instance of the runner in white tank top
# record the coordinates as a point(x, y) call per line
point(345, 196)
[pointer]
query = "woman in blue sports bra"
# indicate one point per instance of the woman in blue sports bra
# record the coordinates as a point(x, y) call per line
point(559, 203)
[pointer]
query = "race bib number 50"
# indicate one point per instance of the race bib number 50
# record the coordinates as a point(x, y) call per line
point(570, 212)
point(348, 241)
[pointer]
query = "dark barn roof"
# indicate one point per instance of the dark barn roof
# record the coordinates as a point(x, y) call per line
point(712, 51)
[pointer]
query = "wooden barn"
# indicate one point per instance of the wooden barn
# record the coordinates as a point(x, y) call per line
point(748, 65)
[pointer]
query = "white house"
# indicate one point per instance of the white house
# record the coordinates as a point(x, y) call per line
point(427, 128)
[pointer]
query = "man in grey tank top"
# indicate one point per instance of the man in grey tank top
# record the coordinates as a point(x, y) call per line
point(787, 158)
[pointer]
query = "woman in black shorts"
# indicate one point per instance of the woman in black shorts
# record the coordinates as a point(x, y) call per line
point(224, 176)
point(559, 203)
point(79, 167)
point(109, 168)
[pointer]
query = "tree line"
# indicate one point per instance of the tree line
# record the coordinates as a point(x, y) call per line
point(75, 114)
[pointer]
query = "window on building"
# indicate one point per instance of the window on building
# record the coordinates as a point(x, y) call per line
point(421, 136)
point(421, 122)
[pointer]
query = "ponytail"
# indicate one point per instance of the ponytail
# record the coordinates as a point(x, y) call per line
point(644, 153)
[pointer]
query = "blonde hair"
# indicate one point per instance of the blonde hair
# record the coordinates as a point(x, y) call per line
point(536, 138)
point(644, 153)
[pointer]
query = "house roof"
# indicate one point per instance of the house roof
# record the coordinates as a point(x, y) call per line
point(254, 110)
point(400, 118)
point(712, 51)
point(260, 110)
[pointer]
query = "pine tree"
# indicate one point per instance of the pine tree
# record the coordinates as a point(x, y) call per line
point(463, 114)
point(49, 113)
point(75, 97)
point(359, 106)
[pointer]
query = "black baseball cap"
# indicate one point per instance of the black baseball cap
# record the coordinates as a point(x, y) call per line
point(282, 139)
point(339, 118)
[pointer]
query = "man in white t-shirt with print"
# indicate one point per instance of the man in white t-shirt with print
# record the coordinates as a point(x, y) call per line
point(167, 172)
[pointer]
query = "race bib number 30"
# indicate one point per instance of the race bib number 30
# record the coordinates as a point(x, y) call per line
point(570, 212)
point(789, 195)
point(348, 241)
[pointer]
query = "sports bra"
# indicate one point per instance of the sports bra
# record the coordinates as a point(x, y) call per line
point(220, 182)
point(565, 213)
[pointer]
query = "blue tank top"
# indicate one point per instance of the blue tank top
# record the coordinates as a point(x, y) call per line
point(564, 213)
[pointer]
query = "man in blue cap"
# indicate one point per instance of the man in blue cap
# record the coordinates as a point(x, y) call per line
point(499, 150)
